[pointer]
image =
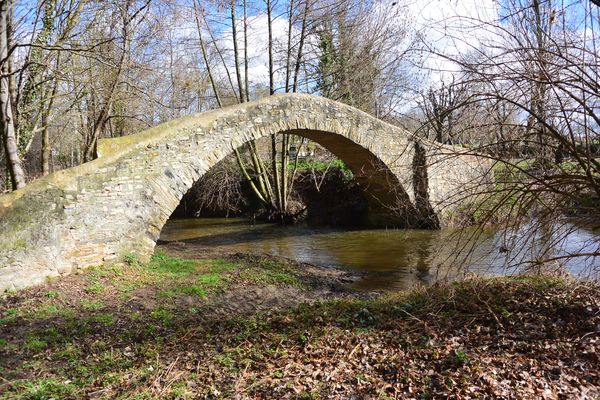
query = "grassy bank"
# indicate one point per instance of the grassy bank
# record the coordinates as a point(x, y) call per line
point(258, 327)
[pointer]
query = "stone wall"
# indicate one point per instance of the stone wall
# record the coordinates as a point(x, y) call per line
point(118, 203)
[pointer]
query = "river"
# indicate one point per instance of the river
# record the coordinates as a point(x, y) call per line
point(389, 259)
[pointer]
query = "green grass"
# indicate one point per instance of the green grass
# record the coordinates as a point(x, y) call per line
point(460, 358)
point(46, 388)
point(104, 319)
point(539, 282)
point(125, 287)
point(9, 316)
point(203, 285)
point(140, 351)
point(196, 290)
point(94, 312)
point(504, 167)
point(210, 279)
point(91, 305)
point(272, 271)
point(271, 277)
point(49, 310)
point(179, 390)
point(220, 265)
point(321, 166)
point(162, 264)
point(201, 278)
point(130, 259)
point(106, 271)
point(69, 352)
point(95, 287)
point(35, 344)
point(162, 315)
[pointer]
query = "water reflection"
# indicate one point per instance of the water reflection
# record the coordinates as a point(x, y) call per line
point(394, 259)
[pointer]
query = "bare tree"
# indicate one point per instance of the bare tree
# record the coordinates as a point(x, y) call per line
point(17, 174)
point(441, 108)
point(533, 86)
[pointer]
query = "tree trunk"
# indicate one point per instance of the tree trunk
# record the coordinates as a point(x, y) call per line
point(236, 53)
point(300, 46)
point(15, 169)
point(289, 47)
point(30, 102)
point(275, 168)
point(246, 84)
point(270, 26)
point(214, 43)
point(205, 55)
point(12, 82)
point(45, 155)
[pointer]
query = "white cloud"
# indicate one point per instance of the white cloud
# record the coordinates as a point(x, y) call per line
point(453, 28)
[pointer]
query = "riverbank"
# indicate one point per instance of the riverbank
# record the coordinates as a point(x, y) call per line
point(261, 327)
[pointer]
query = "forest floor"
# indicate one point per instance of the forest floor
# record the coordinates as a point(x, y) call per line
point(245, 326)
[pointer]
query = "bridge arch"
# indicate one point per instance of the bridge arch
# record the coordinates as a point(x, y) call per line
point(119, 202)
point(389, 204)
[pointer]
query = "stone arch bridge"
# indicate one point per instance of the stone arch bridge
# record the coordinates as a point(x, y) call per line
point(118, 203)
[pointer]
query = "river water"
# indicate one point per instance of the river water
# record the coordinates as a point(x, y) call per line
point(390, 259)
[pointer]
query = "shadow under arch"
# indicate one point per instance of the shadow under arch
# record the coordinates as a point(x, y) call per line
point(389, 205)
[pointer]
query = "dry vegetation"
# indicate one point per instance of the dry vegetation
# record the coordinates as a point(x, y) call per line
point(258, 327)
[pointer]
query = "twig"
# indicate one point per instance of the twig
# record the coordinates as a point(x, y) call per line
point(353, 350)
point(589, 334)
